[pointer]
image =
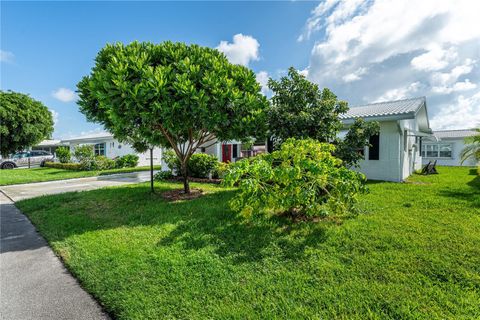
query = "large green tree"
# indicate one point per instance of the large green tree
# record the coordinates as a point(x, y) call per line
point(24, 122)
point(301, 110)
point(172, 94)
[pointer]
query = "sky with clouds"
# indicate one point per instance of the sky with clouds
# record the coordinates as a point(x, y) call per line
point(365, 51)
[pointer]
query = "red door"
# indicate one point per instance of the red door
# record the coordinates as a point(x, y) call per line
point(226, 152)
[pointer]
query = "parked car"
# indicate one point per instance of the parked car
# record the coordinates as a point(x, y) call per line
point(24, 159)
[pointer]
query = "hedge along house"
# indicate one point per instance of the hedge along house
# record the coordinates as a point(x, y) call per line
point(447, 147)
point(395, 152)
point(105, 144)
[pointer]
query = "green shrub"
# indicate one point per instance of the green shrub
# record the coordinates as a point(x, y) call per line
point(85, 156)
point(63, 154)
point(220, 170)
point(171, 159)
point(302, 178)
point(103, 163)
point(163, 175)
point(201, 165)
point(127, 161)
point(66, 166)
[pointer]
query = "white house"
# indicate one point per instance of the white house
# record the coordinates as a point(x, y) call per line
point(447, 147)
point(395, 151)
point(106, 145)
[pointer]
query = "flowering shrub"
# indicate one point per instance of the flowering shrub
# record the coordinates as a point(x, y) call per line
point(302, 178)
point(127, 161)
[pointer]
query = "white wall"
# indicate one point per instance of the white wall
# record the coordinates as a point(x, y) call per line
point(114, 149)
point(457, 146)
point(388, 166)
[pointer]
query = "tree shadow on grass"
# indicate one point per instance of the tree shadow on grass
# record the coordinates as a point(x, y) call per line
point(471, 195)
point(202, 223)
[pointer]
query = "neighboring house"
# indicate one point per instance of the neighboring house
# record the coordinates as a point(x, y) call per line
point(395, 151)
point(446, 150)
point(105, 144)
point(49, 145)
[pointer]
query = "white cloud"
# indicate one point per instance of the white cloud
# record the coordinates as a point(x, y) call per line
point(6, 56)
point(463, 113)
point(399, 93)
point(262, 78)
point(409, 48)
point(434, 59)
point(354, 76)
point(458, 86)
point(242, 50)
point(64, 95)
point(54, 116)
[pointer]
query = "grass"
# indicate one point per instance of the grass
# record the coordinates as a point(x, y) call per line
point(18, 176)
point(413, 254)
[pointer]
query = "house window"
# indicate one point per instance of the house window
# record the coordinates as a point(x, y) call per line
point(235, 151)
point(374, 150)
point(440, 150)
point(405, 140)
point(202, 149)
point(99, 149)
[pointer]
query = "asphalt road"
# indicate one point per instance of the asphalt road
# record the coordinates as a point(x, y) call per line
point(34, 284)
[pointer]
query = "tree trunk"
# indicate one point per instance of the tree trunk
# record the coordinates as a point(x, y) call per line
point(186, 184)
point(151, 171)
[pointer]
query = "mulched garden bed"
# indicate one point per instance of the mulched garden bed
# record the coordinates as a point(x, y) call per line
point(178, 194)
point(201, 180)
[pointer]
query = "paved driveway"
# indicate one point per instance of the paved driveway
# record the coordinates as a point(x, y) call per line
point(34, 284)
point(24, 191)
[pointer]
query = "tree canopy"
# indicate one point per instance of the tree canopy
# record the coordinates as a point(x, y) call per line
point(301, 110)
point(172, 94)
point(25, 122)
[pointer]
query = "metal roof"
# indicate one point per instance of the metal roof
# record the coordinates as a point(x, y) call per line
point(461, 133)
point(385, 109)
point(93, 136)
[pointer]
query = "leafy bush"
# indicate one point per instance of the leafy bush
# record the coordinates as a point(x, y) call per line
point(201, 165)
point(103, 163)
point(127, 161)
point(220, 170)
point(163, 175)
point(172, 161)
point(85, 156)
point(66, 166)
point(302, 178)
point(63, 154)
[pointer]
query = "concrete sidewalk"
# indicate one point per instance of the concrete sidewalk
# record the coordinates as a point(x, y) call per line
point(34, 284)
point(31, 190)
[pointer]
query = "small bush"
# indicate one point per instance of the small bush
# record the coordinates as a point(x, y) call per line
point(66, 166)
point(302, 178)
point(127, 161)
point(172, 161)
point(103, 163)
point(201, 165)
point(163, 175)
point(63, 154)
point(220, 170)
point(85, 156)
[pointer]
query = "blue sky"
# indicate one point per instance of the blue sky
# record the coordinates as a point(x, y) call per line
point(46, 47)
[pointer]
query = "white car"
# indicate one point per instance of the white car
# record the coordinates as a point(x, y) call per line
point(25, 159)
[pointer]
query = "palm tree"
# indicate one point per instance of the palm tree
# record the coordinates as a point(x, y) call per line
point(472, 148)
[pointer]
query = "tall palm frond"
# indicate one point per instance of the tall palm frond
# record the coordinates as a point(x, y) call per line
point(472, 148)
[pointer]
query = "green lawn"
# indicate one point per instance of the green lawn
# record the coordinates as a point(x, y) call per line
point(413, 254)
point(17, 176)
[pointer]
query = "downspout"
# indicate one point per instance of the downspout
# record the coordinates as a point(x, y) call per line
point(400, 152)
